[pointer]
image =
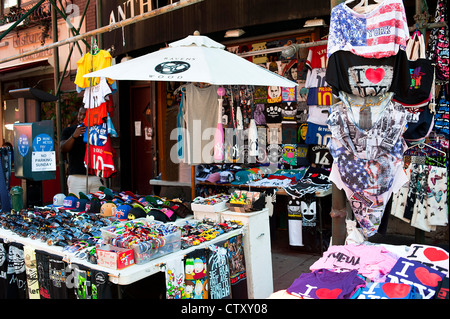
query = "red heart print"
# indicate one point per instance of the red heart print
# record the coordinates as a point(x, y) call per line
point(427, 278)
point(434, 254)
point(394, 290)
point(375, 75)
point(325, 293)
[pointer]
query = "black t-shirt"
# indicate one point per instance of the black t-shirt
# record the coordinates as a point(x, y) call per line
point(366, 76)
point(76, 155)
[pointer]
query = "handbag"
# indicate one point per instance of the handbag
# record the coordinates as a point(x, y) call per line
point(422, 74)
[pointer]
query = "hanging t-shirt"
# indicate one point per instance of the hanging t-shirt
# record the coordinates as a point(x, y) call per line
point(57, 274)
point(316, 78)
point(31, 271)
point(411, 272)
point(289, 111)
point(367, 164)
point(174, 275)
point(375, 34)
point(317, 57)
point(273, 113)
point(289, 133)
point(318, 114)
point(95, 95)
point(320, 96)
point(319, 155)
point(16, 274)
point(98, 134)
point(325, 284)
point(361, 76)
point(317, 134)
point(96, 116)
point(200, 110)
point(101, 60)
point(3, 268)
point(42, 265)
point(195, 276)
point(439, 42)
point(238, 272)
point(218, 273)
point(101, 159)
point(441, 117)
point(371, 261)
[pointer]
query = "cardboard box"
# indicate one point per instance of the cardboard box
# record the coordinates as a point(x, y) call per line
point(114, 257)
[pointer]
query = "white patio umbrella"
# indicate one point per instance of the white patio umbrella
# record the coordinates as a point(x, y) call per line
point(195, 58)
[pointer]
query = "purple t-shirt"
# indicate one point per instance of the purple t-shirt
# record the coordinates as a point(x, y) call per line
point(325, 284)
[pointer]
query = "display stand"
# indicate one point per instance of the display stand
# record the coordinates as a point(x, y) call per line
point(124, 276)
point(257, 250)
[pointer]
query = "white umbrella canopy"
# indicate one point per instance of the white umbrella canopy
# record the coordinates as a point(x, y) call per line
point(195, 58)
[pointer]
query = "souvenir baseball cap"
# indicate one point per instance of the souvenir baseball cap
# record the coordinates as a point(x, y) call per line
point(93, 206)
point(214, 177)
point(85, 196)
point(162, 214)
point(107, 191)
point(58, 200)
point(108, 210)
point(70, 202)
point(122, 211)
point(80, 205)
point(243, 177)
point(136, 212)
point(226, 177)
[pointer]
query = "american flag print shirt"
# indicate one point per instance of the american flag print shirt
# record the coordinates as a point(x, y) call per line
point(379, 33)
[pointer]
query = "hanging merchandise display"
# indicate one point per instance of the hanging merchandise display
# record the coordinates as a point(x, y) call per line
point(438, 44)
point(97, 99)
point(442, 114)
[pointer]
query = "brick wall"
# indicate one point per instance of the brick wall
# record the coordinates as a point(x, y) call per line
point(91, 19)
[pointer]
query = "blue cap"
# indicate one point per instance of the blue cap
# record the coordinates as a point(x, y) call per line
point(122, 211)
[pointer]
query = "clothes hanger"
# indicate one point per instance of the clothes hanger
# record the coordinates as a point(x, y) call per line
point(421, 145)
point(363, 6)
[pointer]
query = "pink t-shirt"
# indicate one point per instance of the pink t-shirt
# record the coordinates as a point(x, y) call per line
point(372, 262)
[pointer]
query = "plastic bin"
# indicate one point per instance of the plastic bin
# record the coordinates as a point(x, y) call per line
point(143, 253)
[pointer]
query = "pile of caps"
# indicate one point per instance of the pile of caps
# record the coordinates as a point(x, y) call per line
point(76, 222)
point(123, 205)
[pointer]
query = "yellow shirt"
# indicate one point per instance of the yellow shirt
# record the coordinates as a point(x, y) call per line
point(100, 61)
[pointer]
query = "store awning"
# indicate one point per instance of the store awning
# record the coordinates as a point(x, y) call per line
point(24, 66)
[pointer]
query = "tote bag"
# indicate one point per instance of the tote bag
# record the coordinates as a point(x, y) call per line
point(421, 71)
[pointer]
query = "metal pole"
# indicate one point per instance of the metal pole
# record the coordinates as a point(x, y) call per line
point(62, 173)
point(108, 28)
point(339, 199)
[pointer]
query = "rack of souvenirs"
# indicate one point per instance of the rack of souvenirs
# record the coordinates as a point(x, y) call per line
point(110, 232)
point(374, 271)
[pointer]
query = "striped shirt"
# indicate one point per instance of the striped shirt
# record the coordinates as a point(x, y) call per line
point(376, 34)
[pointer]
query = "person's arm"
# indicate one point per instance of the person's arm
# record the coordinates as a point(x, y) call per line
point(67, 143)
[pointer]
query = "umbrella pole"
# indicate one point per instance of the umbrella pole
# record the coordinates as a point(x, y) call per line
point(89, 118)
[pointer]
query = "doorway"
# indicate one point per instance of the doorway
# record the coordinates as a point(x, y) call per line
point(143, 159)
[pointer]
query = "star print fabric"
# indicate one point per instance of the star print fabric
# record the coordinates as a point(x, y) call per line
point(367, 164)
point(376, 34)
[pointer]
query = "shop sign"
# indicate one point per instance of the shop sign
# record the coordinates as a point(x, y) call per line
point(130, 8)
